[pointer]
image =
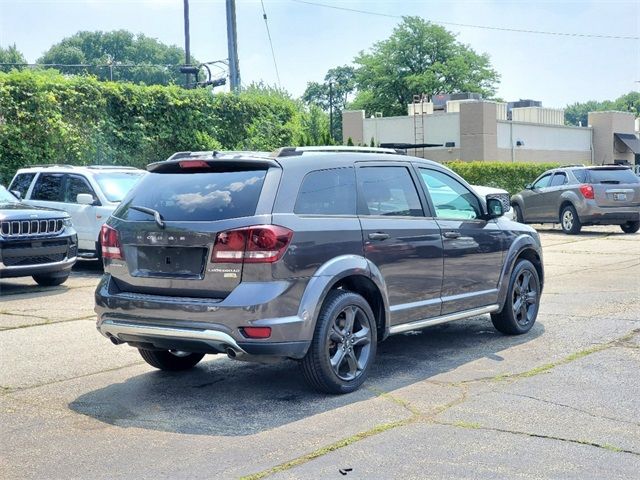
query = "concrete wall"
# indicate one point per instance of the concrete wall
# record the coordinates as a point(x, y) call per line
point(352, 122)
point(438, 128)
point(478, 131)
point(604, 125)
point(566, 157)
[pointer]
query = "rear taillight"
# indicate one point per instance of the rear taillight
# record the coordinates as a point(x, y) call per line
point(110, 242)
point(587, 191)
point(258, 244)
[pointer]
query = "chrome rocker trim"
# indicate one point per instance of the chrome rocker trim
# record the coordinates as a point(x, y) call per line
point(428, 322)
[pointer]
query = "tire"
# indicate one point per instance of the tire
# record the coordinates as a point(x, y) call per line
point(570, 221)
point(521, 306)
point(50, 280)
point(172, 362)
point(352, 349)
point(518, 212)
point(630, 227)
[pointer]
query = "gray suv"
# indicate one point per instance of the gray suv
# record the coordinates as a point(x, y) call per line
point(312, 254)
point(576, 195)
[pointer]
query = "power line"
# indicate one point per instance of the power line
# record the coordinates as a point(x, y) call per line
point(273, 54)
point(467, 25)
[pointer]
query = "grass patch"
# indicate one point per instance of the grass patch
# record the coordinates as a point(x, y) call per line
point(469, 425)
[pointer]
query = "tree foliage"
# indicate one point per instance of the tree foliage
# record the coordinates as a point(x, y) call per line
point(333, 93)
point(155, 63)
point(46, 117)
point(419, 58)
point(578, 113)
point(11, 54)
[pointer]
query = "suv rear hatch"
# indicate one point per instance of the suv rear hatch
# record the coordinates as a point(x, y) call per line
point(614, 186)
point(181, 232)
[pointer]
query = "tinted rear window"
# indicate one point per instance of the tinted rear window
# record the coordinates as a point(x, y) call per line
point(614, 176)
point(581, 175)
point(197, 197)
point(327, 192)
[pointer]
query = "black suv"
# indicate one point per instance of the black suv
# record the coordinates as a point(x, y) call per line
point(36, 242)
point(313, 254)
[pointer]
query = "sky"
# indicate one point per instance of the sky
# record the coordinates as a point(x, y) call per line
point(309, 39)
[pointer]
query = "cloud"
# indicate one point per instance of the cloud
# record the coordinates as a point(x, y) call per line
point(238, 186)
point(191, 201)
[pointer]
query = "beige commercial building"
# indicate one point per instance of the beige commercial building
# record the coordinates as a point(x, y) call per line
point(480, 130)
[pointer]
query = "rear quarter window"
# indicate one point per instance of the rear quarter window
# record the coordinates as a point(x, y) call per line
point(195, 197)
point(581, 175)
point(327, 192)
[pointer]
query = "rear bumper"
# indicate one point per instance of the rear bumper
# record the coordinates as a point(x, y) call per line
point(609, 216)
point(206, 325)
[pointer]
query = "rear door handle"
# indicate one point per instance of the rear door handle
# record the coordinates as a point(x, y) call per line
point(378, 236)
point(451, 234)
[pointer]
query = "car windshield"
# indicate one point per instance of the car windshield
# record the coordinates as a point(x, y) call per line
point(6, 196)
point(116, 185)
point(613, 175)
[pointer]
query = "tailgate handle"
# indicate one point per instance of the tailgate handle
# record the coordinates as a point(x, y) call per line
point(378, 236)
point(451, 234)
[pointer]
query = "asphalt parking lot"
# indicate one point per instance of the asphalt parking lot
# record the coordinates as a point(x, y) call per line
point(457, 400)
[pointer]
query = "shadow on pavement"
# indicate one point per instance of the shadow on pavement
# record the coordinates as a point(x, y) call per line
point(27, 286)
point(232, 398)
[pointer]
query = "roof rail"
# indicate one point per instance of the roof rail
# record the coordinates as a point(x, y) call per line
point(49, 165)
point(572, 165)
point(206, 153)
point(110, 167)
point(296, 151)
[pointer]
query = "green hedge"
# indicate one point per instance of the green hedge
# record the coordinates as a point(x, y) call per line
point(46, 117)
point(508, 176)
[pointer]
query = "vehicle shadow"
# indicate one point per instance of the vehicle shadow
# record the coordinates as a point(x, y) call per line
point(585, 232)
point(232, 398)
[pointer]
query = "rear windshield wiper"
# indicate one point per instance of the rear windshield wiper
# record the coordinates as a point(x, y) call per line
point(612, 182)
point(150, 211)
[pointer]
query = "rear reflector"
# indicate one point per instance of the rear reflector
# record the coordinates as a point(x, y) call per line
point(110, 242)
point(587, 191)
point(257, 244)
point(256, 332)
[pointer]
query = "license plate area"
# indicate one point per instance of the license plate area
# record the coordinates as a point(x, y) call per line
point(171, 262)
point(619, 197)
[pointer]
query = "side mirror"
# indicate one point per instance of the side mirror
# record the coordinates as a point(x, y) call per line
point(85, 199)
point(494, 207)
point(17, 194)
point(529, 186)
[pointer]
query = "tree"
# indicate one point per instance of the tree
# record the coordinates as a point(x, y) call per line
point(578, 113)
point(419, 58)
point(334, 93)
point(118, 55)
point(10, 55)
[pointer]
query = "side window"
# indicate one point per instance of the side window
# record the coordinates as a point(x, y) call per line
point(558, 179)
point(327, 192)
point(581, 175)
point(450, 198)
point(21, 183)
point(76, 185)
point(48, 187)
point(388, 191)
point(543, 181)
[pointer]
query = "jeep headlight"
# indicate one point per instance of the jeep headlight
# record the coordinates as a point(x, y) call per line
point(67, 222)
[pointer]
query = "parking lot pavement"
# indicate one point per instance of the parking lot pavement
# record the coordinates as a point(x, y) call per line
point(457, 400)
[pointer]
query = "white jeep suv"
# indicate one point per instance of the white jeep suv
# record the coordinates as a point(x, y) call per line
point(88, 194)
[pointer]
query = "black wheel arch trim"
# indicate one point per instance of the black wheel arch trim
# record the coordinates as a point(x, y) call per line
point(522, 245)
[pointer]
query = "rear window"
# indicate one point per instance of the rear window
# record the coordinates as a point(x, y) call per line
point(613, 176)
point(197, 197)
point(581, 175)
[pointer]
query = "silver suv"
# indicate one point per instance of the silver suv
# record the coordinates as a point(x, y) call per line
point(575, 196)
point(309, 254)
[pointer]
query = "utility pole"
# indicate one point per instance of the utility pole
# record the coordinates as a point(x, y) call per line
point(187, 43)
point(232, 43)
point(331, 110)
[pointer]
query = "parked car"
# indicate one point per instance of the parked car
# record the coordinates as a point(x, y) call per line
point(310, 254)
point(576, 195)
point(89, 194)
point(35, 242)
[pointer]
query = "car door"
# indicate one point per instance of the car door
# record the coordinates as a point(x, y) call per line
point(473, 245)
point(82, 216)
point(550, 207)
point(534, 198)
point(402, 242)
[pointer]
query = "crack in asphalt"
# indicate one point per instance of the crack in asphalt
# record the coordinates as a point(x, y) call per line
point(604, 446)
point(53, 322)
point(580, 410)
